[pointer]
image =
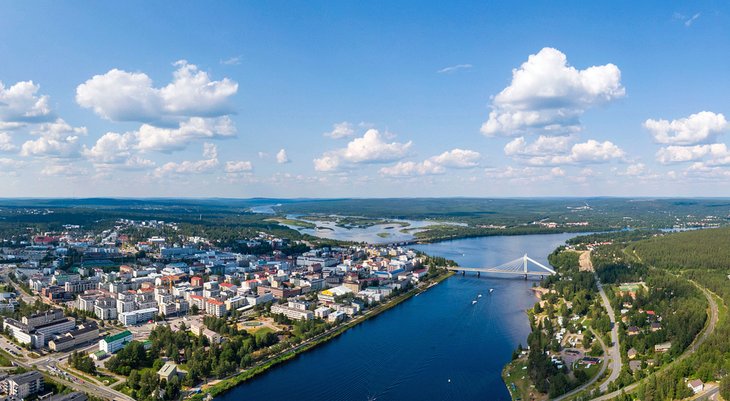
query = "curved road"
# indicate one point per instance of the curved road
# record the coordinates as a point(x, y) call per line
point(714, 315)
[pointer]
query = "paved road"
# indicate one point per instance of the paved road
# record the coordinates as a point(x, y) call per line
point(47, 365)
point(714, 315)
point(614, 352)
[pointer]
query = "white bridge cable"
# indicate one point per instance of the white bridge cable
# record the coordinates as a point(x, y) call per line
point(517, 266)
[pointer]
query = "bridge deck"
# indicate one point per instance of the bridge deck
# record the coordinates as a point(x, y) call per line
point(491, 270)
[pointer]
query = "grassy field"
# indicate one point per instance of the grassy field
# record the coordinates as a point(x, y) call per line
point(517, 382)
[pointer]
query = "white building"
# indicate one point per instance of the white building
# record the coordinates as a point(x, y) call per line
point(113, 343)
point(138, 316)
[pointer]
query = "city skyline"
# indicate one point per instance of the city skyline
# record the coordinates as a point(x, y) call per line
point(363, 100)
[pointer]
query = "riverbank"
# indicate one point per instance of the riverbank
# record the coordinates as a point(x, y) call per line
point(230, 383)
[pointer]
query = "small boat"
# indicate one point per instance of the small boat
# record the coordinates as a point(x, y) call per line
point(473, 302)
point(479, 296)
point(491, 290)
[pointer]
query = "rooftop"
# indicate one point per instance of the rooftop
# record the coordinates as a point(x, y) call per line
point(26, 377)
point(118, 336)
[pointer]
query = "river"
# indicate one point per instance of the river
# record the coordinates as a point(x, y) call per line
point(436, 346)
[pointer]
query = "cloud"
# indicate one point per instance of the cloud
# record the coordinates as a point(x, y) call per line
point(549, 95)
point(20, 104)
point(282, 157)
point(124, 96)
point(117, 151)
point(206, 165)
point(404, 169)
point(455, 158)
point(56, 140)
point(687, 21)
point(237, 167)
point(151, 138)
point(635, 169)
point(697, 128)
point(232, 61)
point(542, 146)
point(458, 158)
point(341, 130)
point(65, 170)
point(9, 166)
point(123, 151)
point(6, 143)
point(368, 149)
point(524, 174)
point(454, 68)
point(553, 151)
point(716, 152)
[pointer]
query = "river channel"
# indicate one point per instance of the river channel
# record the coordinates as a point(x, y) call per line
point(435, 346)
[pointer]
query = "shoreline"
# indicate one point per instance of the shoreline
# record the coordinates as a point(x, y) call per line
point(239, 378)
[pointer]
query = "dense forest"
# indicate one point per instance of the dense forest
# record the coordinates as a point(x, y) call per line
point(227, 220)
point(664, 262)
point(691, 249)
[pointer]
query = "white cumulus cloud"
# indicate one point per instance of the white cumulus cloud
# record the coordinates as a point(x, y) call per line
point(20, 104)
point(403, 169)
point(152, 138)
point(455, 158)
point(368, 149)
point(282, 157)
point(546, 93)
point(237, 167)
point(341, 130)
point(6, 143)
point(56, 139)
point(553, 151)
point(717, 153)
point(206, 165)
point(131, 96)
point(697, 128)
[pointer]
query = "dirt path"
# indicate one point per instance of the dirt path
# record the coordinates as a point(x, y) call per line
point(585, 261)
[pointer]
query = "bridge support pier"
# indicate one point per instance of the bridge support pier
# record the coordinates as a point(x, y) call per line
point(479, 274)
point(463, 272)
point(525, 277)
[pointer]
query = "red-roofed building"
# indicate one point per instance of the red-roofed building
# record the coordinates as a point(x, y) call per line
point(215, 307)
point(196, 281)
point(44, 240)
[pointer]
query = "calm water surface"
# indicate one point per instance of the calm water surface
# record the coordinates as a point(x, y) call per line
point(436, 346)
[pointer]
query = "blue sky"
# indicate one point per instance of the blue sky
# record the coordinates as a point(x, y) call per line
point(366, 99)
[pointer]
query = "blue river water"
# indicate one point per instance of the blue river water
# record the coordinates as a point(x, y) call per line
point(435, 346)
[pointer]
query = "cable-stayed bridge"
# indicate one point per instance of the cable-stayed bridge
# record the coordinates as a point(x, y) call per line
point(523, 266)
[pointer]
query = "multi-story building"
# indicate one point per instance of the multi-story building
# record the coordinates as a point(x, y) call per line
point(76, 287)
point(138, 316)
point(215, 307)
point(235, 302)
point(113, 343)
point(43, 318)
point(292, 312)
point(105, 309)
point(24, 384)
point(87, 332)
point(38, 335)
